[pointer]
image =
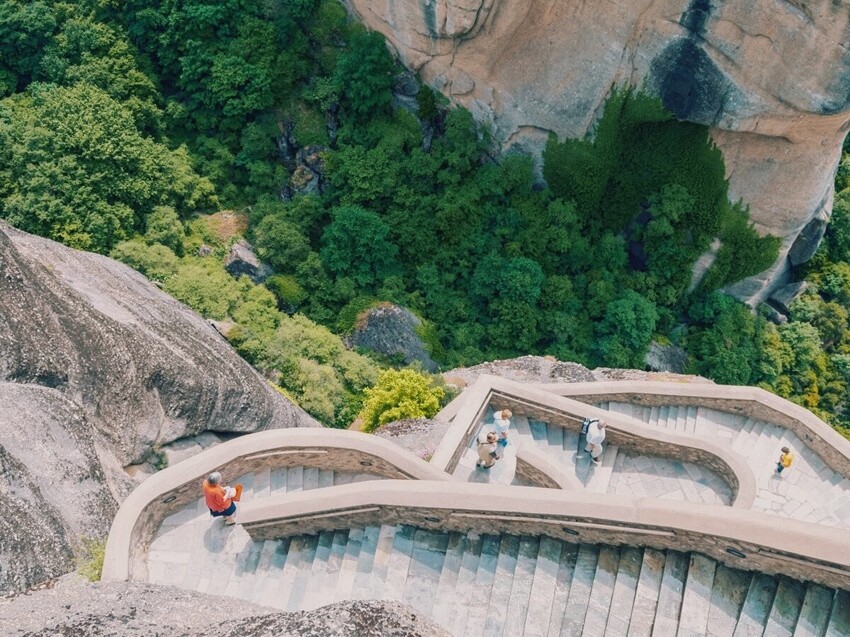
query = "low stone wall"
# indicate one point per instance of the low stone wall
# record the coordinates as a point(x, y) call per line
point(753, 402)
point(469, 409)
point(736, 538)
point(167, 491)
point(535, 467)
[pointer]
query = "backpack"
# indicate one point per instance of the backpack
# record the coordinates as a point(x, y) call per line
point(585, 425)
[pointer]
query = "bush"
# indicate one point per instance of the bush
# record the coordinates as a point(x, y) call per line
point(400, 394)
point(89, 557)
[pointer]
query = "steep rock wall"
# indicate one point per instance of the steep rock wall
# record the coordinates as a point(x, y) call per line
point(97, 365)
point(770, 77)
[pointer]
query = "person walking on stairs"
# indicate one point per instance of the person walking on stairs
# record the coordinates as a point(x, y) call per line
point(595, 437)
point(221, 500)
point(502, 422)
point(487, 455)
point(785, 460)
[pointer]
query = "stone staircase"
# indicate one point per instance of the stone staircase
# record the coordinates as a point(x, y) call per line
point(515, 585)
point(620, 472)
point(809, 491)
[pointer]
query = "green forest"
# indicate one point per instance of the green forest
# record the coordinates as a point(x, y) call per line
point(126, 126)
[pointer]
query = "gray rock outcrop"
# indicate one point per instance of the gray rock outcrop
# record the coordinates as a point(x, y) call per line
point(97, 366)
point(144, 610)
point(391, 330)
point(242, 260)
point(769, 78)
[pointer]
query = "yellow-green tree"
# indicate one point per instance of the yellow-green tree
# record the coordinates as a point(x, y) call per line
point(400, 394)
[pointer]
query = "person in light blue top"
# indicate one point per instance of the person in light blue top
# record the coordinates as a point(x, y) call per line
point(501, 423)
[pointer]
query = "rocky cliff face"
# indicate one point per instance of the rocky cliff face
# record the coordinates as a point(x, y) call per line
point(770, 77)
point(96, 366)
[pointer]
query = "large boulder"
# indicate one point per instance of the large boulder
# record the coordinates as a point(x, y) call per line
point(769, 78)
point(391, 330)
point(97, 366)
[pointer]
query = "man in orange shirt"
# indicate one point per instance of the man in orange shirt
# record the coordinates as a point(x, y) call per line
point(219, 498)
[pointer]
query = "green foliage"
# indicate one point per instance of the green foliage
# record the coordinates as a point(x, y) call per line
point(363, 75)
point(623, 334)
point(400, 394)
point(356, 245)
point(157, 262)
point(90, 554)
point(723, 341)
point(76, 169)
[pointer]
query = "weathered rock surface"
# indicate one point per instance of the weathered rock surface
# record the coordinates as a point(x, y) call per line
point(525, 369)
point(769, 77)
point(75, 608)
point(422, 436)
point(391, 330)
point(96, 366)
point(666, 358)
point(242, 260)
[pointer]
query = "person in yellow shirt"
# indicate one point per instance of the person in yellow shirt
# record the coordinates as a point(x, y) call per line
point(785, 460)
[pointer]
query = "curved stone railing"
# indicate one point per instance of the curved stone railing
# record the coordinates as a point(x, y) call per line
point(739, 539)
point(535, 467)
point(170, 489)
point(753, 402)
point(624, 431)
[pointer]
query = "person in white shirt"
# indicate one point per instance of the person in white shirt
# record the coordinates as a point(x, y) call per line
point(595, 437)
point(502, 422)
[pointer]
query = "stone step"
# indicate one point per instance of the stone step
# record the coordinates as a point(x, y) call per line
point(522, 426)
point(426, 566)
point(542, 589)
point(646, 595)
point(520, 595)
point(664, 416)
point(571, 442)
point(348, 568)
point(500, 593)
point(555, 437)
point(814, 614)
point(446, 588)
point(600, 475)
point(580, 588)
point(457, 613)
point(602, 591)
point(262, 483)
point(653, 416)
point(365, 562)
point(670, 596)
point(271, 592)
point(786, 608)
point(277, 481)
point(318, 576)
point(399, 563)
point(311, 478)
point(295, 479)
point(563, 584)
point(538, 430)
point(303, 567)
point(756, 606)
point(839, 619)
point(696, 600)
point(326, 478)
point(483, 585)
point(625, 587)
point(691, 424)
point(727, 598)
point(381, 562)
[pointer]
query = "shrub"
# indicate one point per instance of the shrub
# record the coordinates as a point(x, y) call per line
point(89, 558)
point(400, 394)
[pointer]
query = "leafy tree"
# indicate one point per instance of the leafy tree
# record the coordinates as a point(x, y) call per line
point(364, 75)
point(400, 394)
point(623, 334)
point(356, 244)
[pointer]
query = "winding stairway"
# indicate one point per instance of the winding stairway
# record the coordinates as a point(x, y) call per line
point(605, 581)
